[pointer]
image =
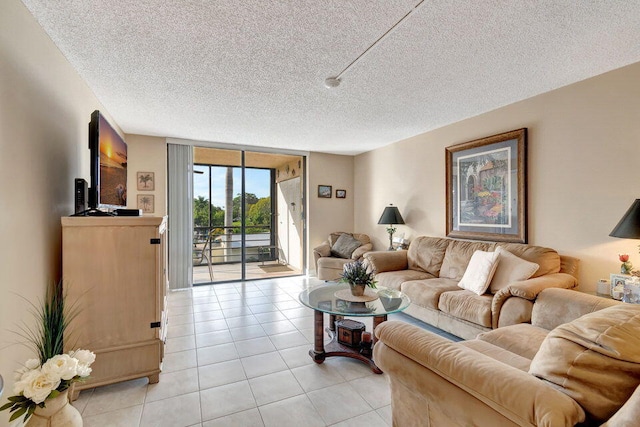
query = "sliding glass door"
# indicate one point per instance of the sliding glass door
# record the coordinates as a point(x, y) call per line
point(240, 215)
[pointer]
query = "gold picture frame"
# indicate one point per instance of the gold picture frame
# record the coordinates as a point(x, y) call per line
point(486, 184)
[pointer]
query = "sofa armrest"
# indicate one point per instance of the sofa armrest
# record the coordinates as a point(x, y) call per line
point(321, 251)
point(359, 252)
point(529, 289)
point(515, 394)
point(382, 261)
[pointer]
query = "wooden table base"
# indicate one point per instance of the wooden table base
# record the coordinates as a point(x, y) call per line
point(321, 351)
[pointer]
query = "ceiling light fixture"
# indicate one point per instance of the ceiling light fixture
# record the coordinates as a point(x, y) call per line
point(331, 82)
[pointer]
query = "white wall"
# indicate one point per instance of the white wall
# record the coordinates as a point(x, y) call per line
point(328, 215)
point(584, 152)
point(45, 108)
point(147, 154)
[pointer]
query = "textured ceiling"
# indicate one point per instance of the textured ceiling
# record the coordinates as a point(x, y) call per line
point(252, 72)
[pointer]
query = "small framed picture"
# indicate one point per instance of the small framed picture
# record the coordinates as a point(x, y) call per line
point(341, 194)
point(618, 279)
point(146, 202)
point(324, 191)
point(146, 181)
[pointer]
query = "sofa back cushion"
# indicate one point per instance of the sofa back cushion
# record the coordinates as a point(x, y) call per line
point(555, 306)
point(426, 254)
point(599, 349)
point(547, 259)
point(457, 257)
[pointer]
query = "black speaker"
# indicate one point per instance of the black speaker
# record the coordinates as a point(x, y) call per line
point(81, 195)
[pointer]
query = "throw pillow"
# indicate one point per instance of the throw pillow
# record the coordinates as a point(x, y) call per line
point(344, 246)
point(594, 359)
point(510, 269)
point(479, 272)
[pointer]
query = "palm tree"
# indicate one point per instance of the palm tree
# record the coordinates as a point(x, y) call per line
point(144, 179)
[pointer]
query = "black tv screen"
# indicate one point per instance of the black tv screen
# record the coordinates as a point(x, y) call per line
point(108, 165)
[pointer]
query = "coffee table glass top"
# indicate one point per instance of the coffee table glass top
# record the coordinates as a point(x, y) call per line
point(322, 298)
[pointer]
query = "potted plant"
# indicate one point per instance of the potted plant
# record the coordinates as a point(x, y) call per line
point(42, 384)
point(358, 275)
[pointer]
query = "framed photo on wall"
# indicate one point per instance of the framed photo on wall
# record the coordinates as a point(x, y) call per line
point(146, 202)
point(324, 191)
point(146, 181)
point(486, 185)
point(341, 194)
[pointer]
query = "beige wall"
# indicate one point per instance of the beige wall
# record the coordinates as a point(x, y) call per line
point(45, 108)
point(327, 215)
point(584, 148)
point(147, 154)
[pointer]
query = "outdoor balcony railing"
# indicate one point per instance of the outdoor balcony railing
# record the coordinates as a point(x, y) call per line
point(224, 244)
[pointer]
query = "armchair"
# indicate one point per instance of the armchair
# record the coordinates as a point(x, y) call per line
point(339, 249)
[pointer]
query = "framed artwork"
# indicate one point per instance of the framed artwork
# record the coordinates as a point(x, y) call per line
point(486, 186)
point(146, 203)
point(146, 181)
point(324, 191)
point(341, 194)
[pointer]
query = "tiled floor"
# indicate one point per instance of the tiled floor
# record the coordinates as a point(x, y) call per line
point(237, 355)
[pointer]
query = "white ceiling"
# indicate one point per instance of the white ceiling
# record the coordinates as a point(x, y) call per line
point(252, 72)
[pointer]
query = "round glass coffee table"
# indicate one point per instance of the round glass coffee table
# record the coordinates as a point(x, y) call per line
point(323, 299)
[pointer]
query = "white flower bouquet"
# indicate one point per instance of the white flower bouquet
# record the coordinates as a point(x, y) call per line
point(36, 383)
point(54, 371)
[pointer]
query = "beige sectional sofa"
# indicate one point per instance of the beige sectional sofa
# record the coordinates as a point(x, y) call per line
point(577, 363)
point(430, 270)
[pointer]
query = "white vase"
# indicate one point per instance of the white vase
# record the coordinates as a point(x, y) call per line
point(58, 412)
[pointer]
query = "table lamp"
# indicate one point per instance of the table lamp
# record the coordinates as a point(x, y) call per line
point(628, 228)
point(390, 217)
point(629, 225)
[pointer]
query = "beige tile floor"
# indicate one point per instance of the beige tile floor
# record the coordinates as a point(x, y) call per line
point(237, 355)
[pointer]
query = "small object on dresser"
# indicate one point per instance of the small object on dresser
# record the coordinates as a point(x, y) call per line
point(604, 287)
point(349, 332)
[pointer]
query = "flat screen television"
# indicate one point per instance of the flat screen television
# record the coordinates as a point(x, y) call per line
point(108, 165)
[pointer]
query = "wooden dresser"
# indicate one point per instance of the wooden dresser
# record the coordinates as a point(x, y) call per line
point(114, 269)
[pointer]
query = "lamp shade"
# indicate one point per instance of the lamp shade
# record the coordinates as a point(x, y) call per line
point(391, 215)
point(629, 225)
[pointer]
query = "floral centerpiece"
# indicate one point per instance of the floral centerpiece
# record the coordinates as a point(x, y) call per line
point(43, 379)
point(358, 276)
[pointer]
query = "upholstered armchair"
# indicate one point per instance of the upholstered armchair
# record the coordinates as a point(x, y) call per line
point(340, 249)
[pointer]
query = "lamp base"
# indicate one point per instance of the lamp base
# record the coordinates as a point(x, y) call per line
point(390, 248)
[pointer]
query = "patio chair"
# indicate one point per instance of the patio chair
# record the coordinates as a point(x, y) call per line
point(201, 255)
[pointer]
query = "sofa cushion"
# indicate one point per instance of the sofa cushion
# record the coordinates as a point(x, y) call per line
point(511, 268)
point(393, 279)
point(458, 255)
point(345, 245)
point(598, 349)
point(547, 258)
point(479, 272)
point(498, 353)
point(522, 339)
point(467, 306)
point(332, 262)
point(426, 254)
point(426, 293)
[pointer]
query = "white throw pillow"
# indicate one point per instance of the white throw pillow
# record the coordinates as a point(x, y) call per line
point(479, 272)
point(510, 269)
